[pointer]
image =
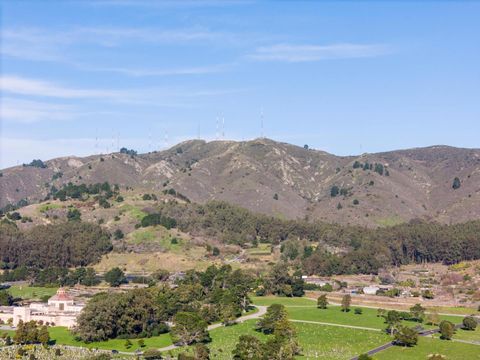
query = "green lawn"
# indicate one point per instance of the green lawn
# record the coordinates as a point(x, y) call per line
point(316, 341)
point(452, 350)
point(62, 336)
point(133, 211)
point(468, 335)
point(31, 292)
point(304, 309)
point(335, 343)
point(287, 301)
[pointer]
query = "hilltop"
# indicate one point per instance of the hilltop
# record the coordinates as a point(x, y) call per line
point(279, 179)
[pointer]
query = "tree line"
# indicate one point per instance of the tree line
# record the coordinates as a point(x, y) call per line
point(63, 245)
point(199, 299)
point(361, 250)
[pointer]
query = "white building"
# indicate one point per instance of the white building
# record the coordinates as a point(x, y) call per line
point(370, 290)
point(61, 310)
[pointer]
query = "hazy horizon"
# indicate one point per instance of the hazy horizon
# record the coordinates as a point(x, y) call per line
point(343, 77)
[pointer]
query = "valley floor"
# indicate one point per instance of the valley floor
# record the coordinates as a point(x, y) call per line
point(323, 334)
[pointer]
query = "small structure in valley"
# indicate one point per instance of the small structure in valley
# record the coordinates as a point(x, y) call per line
point(370, 290)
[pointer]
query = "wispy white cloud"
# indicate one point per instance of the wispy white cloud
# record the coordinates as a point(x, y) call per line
point(26, 86)
point(48, 45)
point(139, 72)
point(28, 111)
point(306, 53)
point(155, 96)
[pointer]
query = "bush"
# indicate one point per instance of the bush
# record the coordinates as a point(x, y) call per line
point(115, 277)
point(358, 311)
point(456, 183)
point(152, 354)
point(334, 191)
point(447, 329)
point(406, 336)
point(469, 323)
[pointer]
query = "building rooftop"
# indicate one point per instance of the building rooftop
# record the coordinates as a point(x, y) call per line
point(61, 295)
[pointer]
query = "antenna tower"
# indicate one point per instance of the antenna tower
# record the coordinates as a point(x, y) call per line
point(261, 123)
point(223, 127)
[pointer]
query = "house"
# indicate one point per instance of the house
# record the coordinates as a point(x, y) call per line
point(60, 310)
point(370, 290)
point(314, 280)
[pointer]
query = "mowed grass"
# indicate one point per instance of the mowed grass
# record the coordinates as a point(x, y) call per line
point(451, 349)
point(287, 301)
point(30, 292)
point(316, 341)
point(467, 335)
point(62, 336)
point(335, 343)
point(304, 309)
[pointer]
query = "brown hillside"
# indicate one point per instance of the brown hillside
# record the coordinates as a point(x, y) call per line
point(249, 174)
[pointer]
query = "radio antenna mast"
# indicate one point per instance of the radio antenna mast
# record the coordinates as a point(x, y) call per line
point(261, 122)
point(150, 140)
point(223, 127)
point(96, 141)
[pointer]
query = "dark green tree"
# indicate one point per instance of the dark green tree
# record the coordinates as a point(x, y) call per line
point(456, 183)
point(346, 301)
point(469, 323)
point(248, 348)
point(275, 313)
point(322, 302)
point(447, 329)
point(189, 328)
point(406, 336)
point(115, 277)
point(393, 320)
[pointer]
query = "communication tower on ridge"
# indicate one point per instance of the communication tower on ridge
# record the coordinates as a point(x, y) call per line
point(223, 127)
point(261, 123)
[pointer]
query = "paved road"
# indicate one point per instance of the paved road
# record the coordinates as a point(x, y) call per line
point(388, 307)
point(338, 325)
point(391, 343)
point(6, 327)
point(261, 311)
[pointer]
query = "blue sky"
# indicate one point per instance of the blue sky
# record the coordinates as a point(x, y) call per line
point(344, 77)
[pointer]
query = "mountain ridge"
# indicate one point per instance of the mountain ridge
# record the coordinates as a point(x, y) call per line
point(280, 179)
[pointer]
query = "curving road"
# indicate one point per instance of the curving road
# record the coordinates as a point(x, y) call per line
point(392, 343)
point(261, 311)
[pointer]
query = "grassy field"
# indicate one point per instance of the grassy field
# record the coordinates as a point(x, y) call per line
point(48, 206)
point(133, 211)
point(136, 262)
point(467, 335)
point(62, 336)
point(452, 310)
point(304, 309)
point(452, 350)
point(31, 292)
point(260, 250)
point(316, 341)
point(269, 300)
